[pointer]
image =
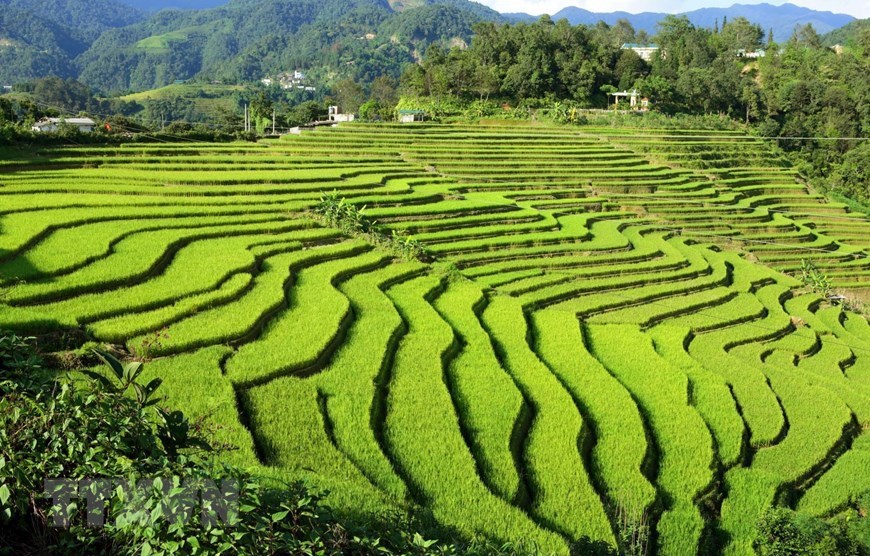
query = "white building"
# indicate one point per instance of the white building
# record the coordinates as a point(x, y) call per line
point(336, 116)
point(411, 116)
point(751, 54)
point(645, 51)
point(85, 125)
point(286, 80)
point(635, 101)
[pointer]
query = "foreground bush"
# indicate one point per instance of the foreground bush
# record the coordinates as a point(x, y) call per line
point(783, 532)
point(103, 433)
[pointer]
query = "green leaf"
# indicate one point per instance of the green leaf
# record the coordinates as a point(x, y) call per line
point(4, 494)
point(105, 382)
point(279, 516)
point(113, 363)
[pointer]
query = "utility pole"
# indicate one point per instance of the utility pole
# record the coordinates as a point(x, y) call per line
point(273, 121)
point(246, 118)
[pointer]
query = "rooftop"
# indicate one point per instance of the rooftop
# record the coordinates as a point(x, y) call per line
point(73, 121)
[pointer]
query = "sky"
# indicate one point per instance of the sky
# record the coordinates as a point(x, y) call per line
point(857, 8)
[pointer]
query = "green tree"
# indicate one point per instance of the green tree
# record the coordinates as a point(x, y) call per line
point(741, 34)
point(383, 90)
point(807, 35)
point(261, 110)
point(349, 95)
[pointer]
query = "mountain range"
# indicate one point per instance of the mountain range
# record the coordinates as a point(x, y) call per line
point(124, 45)
point(781, 19)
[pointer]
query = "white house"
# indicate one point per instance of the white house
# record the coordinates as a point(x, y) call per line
point(635, 101)
point(751, 54)
point(286, 80)
point(645, 51)
point(85, 125)
point(336, 116)
point(411, 116)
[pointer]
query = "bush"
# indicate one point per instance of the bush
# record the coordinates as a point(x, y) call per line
point(782, 532)
point(108, 429)
point(339, 213)
point(852, 177)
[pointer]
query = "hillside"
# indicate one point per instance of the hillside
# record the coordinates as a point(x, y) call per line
point(39, 38)
point(157, 5)
point(586, 335)
point(246, 41)
point(855, 33)
point(31, 48)
point(115, 47)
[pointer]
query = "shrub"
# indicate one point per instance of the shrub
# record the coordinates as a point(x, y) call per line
point(814, 279)
point(109, 426)
point(782, 532)
point(352, 220)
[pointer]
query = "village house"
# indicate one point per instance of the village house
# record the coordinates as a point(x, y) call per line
point(635, 101)
point(411, 116)
point(645, 51)
point(336, 116)
point(84, 125)
point(287, 80)
point(751, 54)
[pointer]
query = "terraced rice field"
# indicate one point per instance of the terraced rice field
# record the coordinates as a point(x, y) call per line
point(607, 349)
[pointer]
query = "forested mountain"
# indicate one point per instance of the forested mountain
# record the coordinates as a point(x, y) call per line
point(32, 48)
point(114, 47)
point(851, 34)
point(247, 40)
point(42, 37)
point(84, 19)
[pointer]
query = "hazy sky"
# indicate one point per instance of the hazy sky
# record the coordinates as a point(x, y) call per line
point(857, 8)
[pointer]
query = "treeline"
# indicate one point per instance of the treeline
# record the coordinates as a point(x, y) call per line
point(816, 98)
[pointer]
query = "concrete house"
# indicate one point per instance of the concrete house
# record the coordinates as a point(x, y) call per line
point(645, 51)
point(84, 125)
point(336, 116)
point(635, 100)
point(411, 116)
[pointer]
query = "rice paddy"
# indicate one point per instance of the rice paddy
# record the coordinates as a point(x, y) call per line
point(605, 344)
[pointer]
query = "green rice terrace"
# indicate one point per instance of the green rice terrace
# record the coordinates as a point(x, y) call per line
point(603, 338)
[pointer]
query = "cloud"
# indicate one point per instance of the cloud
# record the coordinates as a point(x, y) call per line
point(857, 8)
